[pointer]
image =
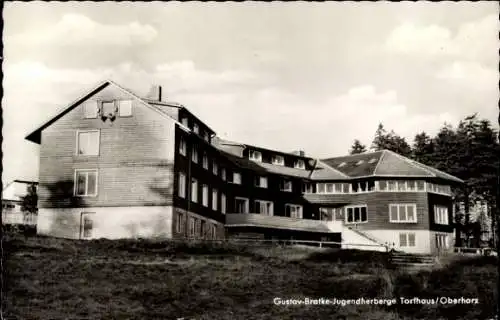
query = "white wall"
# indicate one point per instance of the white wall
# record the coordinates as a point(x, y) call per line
point(108, 222)
point(422, 239)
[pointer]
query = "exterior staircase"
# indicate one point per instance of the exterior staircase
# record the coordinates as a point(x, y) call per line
point(409, 261)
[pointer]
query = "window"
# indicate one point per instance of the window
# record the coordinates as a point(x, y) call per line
point(88, 143)
point(406, 239)
point(440, 214)
point(204, 198)
point(182, 185)
point(90, 109)
point(196, 128)
point(206, 136)
point(293, 211)
point(382, 185)
point(194, 190)
point(321, 187)
point(191, 227)
point(356, 214)
point(182, 146)
point(223, 203)
point(279, 160)
point(205, 161)
point(401, 185)
point(286, 185)
point(264, 207)
point(338, 188)
point(420, 185)
point(236, 178)
point(125, 109)
point(391, 185)
point(194, 154)
point(411, 186)
point(329, 214)
point(223, 174)
point(300, 164)
point(307, 187)
point(403, 213)
point(255, 155)
point(203, 226)
point(184, 122)
point(241, 205)
point(86, 183)
point(214, 231)
point(215, 168)
point(179, 223)
point(87, 225)
point(441, 241)
point(261, 182)
point(329, 188)
point(108, 107)
point(214, 200)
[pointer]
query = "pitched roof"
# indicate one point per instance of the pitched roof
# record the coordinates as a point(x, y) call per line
point(385, 163)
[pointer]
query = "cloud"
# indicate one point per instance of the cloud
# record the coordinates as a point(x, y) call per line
point(473, 41)
point(79, 30)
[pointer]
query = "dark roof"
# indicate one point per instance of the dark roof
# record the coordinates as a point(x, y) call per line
point(385, 163)
point(357, 165)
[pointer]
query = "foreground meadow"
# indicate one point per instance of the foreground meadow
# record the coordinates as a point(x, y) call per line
point(48, 278)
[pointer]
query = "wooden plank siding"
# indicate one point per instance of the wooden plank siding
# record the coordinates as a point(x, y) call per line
point(377, 208)
point(135, 161)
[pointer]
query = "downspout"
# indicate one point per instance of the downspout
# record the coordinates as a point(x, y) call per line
point(190, 187)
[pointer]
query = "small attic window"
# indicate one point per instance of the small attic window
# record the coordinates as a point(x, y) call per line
point(360, 162)
point(372, 160)
point(342, 165)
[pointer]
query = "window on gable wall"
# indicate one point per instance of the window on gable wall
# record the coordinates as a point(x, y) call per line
point(90, 109)
point(125, 108)
point(88, 143)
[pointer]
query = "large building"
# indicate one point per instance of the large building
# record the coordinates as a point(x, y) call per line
point(116, 165)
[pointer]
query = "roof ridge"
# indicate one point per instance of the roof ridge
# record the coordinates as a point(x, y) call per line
point(353, 155)
point(378, 162)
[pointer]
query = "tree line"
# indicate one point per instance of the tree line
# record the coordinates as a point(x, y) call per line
point(470, 151)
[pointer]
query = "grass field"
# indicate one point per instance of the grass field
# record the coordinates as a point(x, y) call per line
point(48, 278)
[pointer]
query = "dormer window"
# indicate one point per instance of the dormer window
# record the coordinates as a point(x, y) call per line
point(360, 162)
point(278, 160)
point(206, 136)
point(196, 129)
point(184, 121)
point(343, 164)
point(255, 155)
point(300, 164)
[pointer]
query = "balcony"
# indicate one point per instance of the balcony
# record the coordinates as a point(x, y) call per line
point(276, 222)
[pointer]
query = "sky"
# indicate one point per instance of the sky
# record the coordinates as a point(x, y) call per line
point(285, 76)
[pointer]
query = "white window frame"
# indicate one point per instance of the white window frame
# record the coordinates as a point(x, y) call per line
point(261, 182)
point(78, 132)
point(353, 207)
point(399, 214)
point(255, 155)
point(194, 154)
point(205, 161)
point(215, 167)
point(204, 195)
point(128, 107)
point(206, 136)
point(283, 184)
point(332, 212)
point(215, 204)
point(299, 164)
point(194, 190)
point(268, 205)
point(196, 128)
point(442, 241)
point(181, 185)
point(307, 188)
point(89, 105)
point(298, 212)
point(407, 239)
point(441, 215)
point(182, 146)
point(247, 204)
point(75, 190)
point(275, 158)
point(223, 203)
point(236, 181)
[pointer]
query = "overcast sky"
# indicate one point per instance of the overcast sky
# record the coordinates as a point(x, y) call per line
point(287, 76)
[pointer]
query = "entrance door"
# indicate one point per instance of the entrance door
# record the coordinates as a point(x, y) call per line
point(86, 225)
